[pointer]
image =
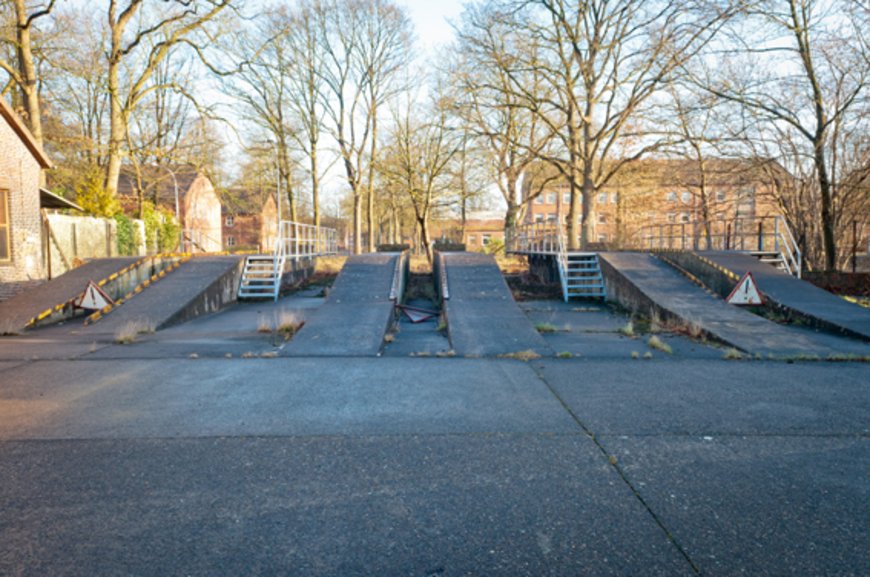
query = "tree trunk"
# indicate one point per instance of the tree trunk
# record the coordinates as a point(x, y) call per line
point(28, 75)
point(116, 132)
point(357, 222)
point(829, 239)
point(315, 184)
point(370, 200)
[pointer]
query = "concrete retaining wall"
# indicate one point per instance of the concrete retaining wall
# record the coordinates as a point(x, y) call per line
point(219, 294)
point(74, 238)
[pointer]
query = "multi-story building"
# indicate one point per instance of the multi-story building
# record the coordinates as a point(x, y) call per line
point(661, 194)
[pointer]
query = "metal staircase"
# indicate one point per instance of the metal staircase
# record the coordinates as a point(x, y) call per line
point(773, 258)
point(261, 278)
point(262, 275)
point(582, 276)
point(579, 272)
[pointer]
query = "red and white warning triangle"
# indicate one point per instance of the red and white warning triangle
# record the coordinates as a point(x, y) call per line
point(93, 298)
point(746, 292)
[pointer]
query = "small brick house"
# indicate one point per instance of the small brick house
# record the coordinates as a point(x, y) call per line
point(250, 223)
point(199, 206)
point(21, 237)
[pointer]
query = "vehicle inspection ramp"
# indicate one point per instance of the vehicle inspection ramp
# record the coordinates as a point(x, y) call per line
point(356, 314)
point(805, 300)
point(643, 283)
point(200, 285)
point(482, 317)
point(51, 297)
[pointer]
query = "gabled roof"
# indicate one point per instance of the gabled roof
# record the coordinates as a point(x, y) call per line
point(159, 177)
point(24, 134)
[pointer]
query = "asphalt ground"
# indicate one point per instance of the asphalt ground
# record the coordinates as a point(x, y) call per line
point(201, 450)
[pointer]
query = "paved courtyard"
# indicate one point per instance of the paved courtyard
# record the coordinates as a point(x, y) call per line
point(203, 450)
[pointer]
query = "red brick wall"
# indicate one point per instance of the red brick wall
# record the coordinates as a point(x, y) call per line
point(19, 174)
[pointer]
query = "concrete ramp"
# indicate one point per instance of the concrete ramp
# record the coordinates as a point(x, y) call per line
point(645, 284)
point(801, 297)
point(199, 286)
point(54, 295)
point(357, 313)
point(482, 317)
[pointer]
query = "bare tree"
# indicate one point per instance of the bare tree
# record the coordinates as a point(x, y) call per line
point(365, 44)
point(484, 77)
point(601, 63)
point(139, 41)
point(264, 85)
point(803, 81)
point(22, 72)
point(306, 95)
point(417, 161)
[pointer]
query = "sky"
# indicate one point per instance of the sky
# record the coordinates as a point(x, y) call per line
point(430, 19)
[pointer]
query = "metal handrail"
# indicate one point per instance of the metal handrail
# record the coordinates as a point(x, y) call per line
point(299, 240)
point(739, 233)
point(543, 238)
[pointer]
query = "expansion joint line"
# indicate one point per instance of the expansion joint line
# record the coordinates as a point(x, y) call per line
point(619, 471)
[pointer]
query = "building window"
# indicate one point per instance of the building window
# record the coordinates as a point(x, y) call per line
point(602, 238)
point(552, 217)
point(230, 221)
point(472, 238)
point(5, 248)
point(686, 197)
point(720, 196)
point(684, 217)
point(566, 198)
point(551, 198)
point(602, 219)
point(539, 199)
point(672, 217)
point(539, 217)
point(485, 239)
point(614, 198)
point(602, 198)
point(231, 240)
point(671, 197)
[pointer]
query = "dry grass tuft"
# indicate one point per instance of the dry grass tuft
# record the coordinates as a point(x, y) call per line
point(732, 354)
point(565, 355)
point(287, 323)
point(131, 329)
point(627, 330)
point(656, 343)
point(263, 325)
point(545, 328)
point(528, 355)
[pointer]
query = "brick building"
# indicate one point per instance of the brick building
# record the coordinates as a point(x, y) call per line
point(199, 206)
point(21, 238)
point(249, 223)
point(665, 192)
point(481, 227)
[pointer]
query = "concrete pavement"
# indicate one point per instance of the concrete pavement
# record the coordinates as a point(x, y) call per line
point(144, 460)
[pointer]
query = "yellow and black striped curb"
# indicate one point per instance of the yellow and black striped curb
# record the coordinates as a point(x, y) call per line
point(57, 308)
point(703, 259)
point(730, 274)
point(691, 277)
point(139, 288)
